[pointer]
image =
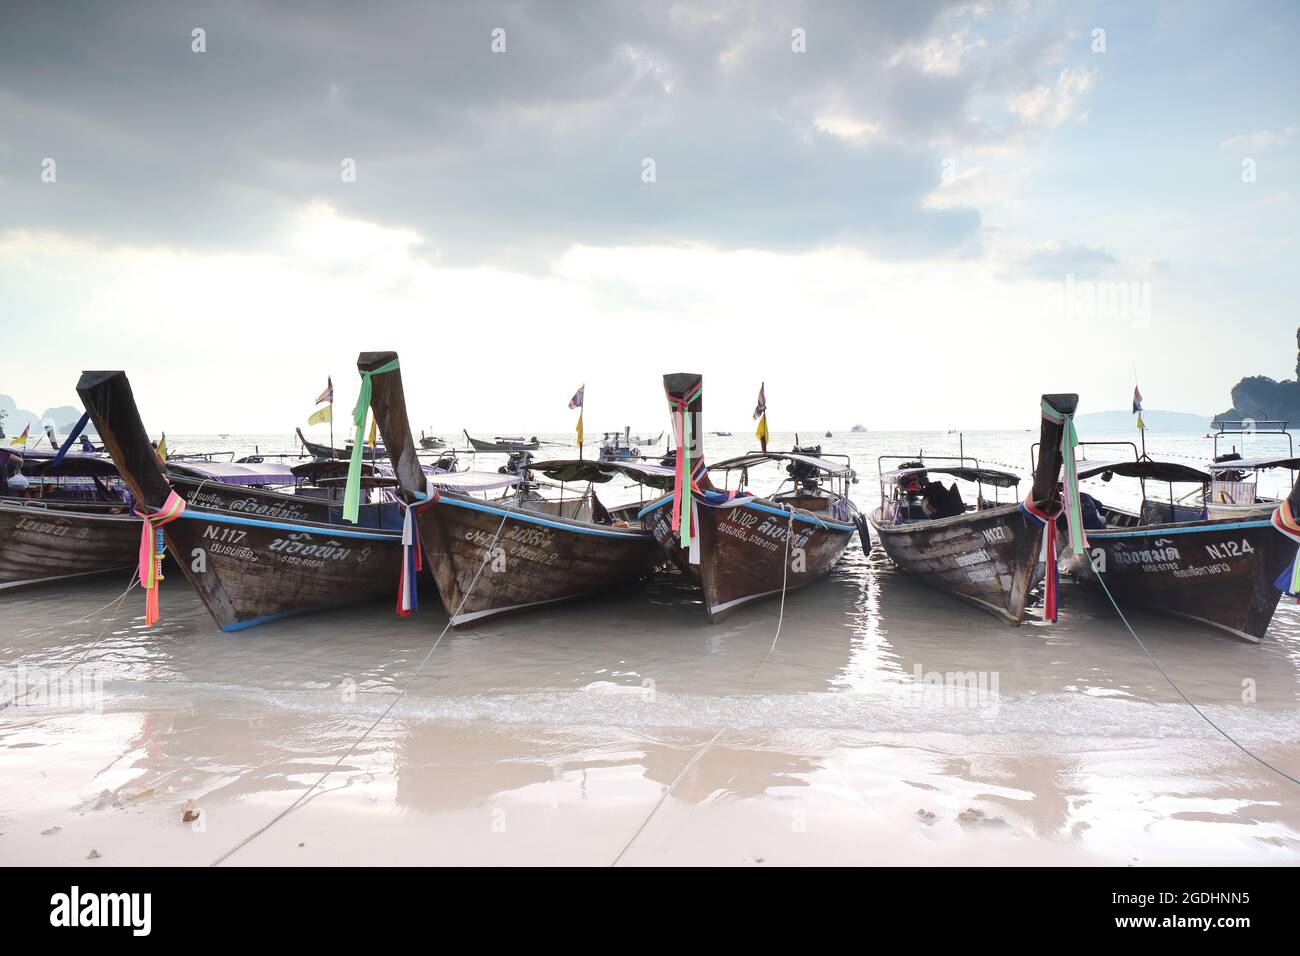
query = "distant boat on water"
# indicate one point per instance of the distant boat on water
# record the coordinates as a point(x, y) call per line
point(858, 428)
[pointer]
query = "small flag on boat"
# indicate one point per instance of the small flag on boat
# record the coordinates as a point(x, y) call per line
point(49, 434)
point(374, 433)
point(328, 394)
point(760, 413)
point(576, 402)
point(1137, 400)
point(161, 449)
point(325, 414)
point(22, 439)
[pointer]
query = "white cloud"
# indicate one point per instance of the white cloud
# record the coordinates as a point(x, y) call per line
point(1048, 107)
point(1258, 140)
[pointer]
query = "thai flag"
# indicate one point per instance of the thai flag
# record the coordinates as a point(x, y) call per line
point(1137, 400)
point(576, 401)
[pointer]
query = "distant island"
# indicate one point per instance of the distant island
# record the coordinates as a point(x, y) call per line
point(14, 419)
point(1154, 419)
point(1263, 399)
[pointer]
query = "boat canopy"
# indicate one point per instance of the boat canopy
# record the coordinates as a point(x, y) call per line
point(585, 469)
point(1256, 464)
point(1146, 468)
point(230, 473)
point(984, 476)
point(316, 471)
point(72, 466)
point(836, 469)
point(471, 481)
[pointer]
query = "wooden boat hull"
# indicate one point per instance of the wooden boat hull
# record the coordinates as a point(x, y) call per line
point(743, 550)
point(1220, 573)
point(42, 545)
point(246, 567)
point(251, 570)
point(500, 447)
point(537, 559)
point(988, 558)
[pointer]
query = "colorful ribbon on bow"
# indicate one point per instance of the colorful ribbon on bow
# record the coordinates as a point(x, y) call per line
point(153, 547)
point(352, 492)
point(1047, 554)
point(1285, 522)
point(685, 515)
point(408, 598)
point(1073, 510)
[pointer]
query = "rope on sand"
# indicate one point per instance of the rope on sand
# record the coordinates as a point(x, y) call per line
point(302, 797)
point(785, 568)
point(1226, 736)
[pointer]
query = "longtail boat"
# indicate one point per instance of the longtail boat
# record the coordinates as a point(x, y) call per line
point(501, 555)
point(1225, 572)
point(1233, 490)
point(500, 444)
point(247, 566)
point(75, 518)
point(741, 547)
point(990, 554)
point(72, 520)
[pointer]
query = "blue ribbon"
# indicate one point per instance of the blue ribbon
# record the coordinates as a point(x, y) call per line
point(72, 436)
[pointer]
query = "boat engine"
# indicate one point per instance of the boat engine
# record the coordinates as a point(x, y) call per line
point(802, 472)
point(518, 465)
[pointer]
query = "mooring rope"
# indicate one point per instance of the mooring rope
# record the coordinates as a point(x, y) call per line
point(116, 605)
point(716, 737)
point(1226, 736)
point(487, 553)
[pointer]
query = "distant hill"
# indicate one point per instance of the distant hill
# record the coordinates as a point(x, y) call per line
point(1264, 399)
point(1154, 419)
point(15, 419)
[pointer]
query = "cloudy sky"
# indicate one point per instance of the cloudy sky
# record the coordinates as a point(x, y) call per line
point(915, 214)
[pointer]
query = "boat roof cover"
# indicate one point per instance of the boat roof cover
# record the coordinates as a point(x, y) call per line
point(985, 476)
point(1252, 464)
point(1154, 470)
point(838, 469)
point(329, 468)
point(232, 473)
point(471, 481)
point(81, 466)
point(585, 469)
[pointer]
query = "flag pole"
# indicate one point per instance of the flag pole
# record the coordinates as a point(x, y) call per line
point(330, 380)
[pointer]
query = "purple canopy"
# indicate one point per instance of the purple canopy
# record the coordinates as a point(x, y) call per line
point(231, 473)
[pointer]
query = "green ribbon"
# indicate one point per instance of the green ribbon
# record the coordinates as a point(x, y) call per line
point(686, 479)
point(352, 493)
point(1073, 510)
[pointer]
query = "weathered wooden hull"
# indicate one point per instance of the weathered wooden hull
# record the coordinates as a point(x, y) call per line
point(500, 448)
point(250, 570)
point(1220, 573)
point(989, 558)
point(536, 560)
point(246, 567)
point(45, 545)
point(743, 550)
